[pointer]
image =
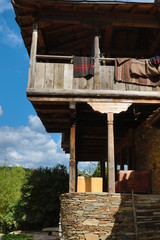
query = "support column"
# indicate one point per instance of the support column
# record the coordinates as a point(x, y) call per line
point(72, 162)
point(103, 173)
point(111, 163)
point(33, 53)
point(96, 61)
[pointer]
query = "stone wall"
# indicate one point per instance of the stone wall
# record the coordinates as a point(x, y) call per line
point(147, 153)
point(97, 216)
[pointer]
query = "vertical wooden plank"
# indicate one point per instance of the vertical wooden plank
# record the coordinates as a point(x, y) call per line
point(111, 161)
point(59, 76)
point(76, 83)
point(103, 78)
point(49, 76)
point(82, 83)
point(32, 63)
point(68, 76)
point(89, 84)
point(39, 75)
point(72, 162)
point(96, 62)
point(111, 79)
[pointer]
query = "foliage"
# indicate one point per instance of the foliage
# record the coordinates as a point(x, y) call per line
point(93, 170)
point(89, 171)
point(16, 237)
point(40, 205)
point(11, 180)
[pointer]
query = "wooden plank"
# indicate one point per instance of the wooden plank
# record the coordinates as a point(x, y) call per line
point(103, 78)
point(111, 161)
point(96, 62)
point(110, 71)
point(82, 83)
point(68, 76)
point(72, 162)
point(49, 76)
point(89, 84)
point(33, 52)
point(59, 76)
point(39, 76)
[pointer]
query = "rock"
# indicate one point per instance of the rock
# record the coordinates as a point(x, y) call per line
point(91, 222)
point(91, 236)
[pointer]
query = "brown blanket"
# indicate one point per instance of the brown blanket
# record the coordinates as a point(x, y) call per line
point(136, 71)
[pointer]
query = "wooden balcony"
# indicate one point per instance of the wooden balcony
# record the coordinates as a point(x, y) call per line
point(56, 79)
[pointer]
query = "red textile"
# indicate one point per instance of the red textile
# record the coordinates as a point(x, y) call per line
point(83, 66)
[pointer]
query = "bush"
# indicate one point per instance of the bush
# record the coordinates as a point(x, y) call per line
point(11, 180)
point(40, 204)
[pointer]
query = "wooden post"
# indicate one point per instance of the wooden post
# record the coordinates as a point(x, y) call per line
point(103, 173)
point(96, 61)
point(33, 52)
point(111, 164)
point(72, 162)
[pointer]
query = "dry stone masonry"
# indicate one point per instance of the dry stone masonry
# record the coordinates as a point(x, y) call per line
point(97, 216)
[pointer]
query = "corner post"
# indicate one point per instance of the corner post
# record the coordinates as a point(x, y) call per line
point(111, 163)
point(33, 53)
point(72, 162)
point(96, 61)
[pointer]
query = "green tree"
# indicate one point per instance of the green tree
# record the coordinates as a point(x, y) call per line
point(11, 180)
point(40, 204)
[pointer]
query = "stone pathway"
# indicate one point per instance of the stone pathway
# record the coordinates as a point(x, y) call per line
point(43, 236)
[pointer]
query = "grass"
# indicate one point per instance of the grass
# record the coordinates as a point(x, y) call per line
point(16, 237)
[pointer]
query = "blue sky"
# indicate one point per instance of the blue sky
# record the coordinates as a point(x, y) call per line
point(23, 140)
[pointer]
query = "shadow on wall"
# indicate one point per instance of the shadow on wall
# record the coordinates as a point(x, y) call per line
point(123, 219)
point(101, 215)
point(138, 181)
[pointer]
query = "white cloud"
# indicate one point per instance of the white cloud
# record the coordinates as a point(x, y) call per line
point(30, 146)
point(5, 5)
point(1, 111)
point(8, 36)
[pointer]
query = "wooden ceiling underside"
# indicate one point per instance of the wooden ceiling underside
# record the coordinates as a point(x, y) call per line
point(128, 29)
point(91, 126)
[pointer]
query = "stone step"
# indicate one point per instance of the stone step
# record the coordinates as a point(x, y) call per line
point(150, 221)
point(150, 237)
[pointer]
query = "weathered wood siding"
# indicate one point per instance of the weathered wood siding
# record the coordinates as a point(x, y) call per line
point(54, 76)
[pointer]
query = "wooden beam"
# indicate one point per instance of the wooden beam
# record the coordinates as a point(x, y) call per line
point(111, 161)
point(143, 95)
point(72, 162)
point(96, 62)
point(119, 19)
point(32, 64)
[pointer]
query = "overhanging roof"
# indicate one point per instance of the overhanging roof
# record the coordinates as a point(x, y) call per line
point(67, 27)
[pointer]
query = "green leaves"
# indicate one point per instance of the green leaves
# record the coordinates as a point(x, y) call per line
point(11, 180)
point(30, 198)
point(40, 204)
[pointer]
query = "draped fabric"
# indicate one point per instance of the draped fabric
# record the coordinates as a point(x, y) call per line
point(83, 66)
point(141, 72)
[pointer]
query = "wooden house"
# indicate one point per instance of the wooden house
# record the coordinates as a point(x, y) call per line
point(112, 114)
